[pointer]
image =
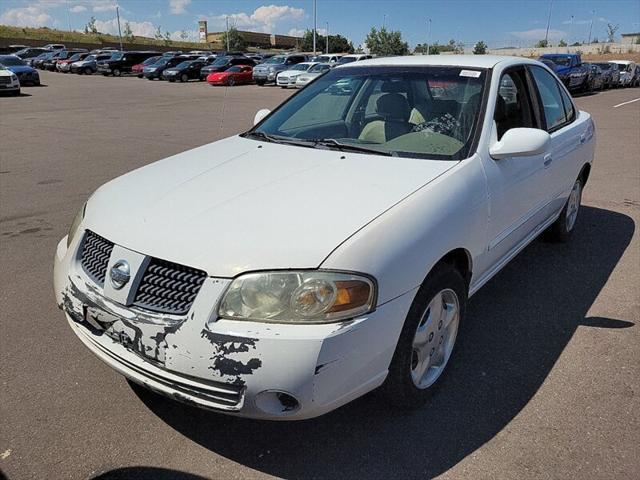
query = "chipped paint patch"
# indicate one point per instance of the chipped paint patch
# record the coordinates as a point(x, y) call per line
point(226, 345)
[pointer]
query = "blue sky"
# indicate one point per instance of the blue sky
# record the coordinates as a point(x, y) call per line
point(497, 22)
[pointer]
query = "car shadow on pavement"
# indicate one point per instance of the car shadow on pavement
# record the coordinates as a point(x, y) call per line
point(517, 327)
point(146, 473)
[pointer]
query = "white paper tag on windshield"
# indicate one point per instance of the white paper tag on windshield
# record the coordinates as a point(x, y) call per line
point(469, 73)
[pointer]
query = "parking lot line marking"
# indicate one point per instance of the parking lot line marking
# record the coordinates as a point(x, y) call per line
point(625, 103)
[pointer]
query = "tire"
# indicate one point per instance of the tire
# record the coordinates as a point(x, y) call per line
point(231, 82)
point(560, 231)
point(16, 93)
point(260, 84)
point(140, 75)
point(172, 80)
point(184, 78)
point(36, 83)
point(88, 71)
point(405, 386)
point(116, 72)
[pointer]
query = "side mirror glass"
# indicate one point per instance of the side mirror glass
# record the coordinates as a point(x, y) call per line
point(260, 115)
point(521, 142)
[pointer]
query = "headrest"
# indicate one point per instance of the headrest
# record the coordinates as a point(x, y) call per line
point(501, 110)
point(393, 106)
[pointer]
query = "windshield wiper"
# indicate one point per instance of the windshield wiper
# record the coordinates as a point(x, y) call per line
point(347, 147)
point(279, 139)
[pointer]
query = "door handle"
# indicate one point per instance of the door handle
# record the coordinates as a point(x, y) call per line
point(547, 160)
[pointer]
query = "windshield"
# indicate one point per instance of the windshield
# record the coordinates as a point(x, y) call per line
point(423, 112)
point(117, 56)
point(221, 62)
point(346, 60)
point(183, 64)
point(275, 60)
point(75, 57)
point(300, 67)
point(319, 68)
point(624, 67)
point(234, 69)
point(11, 61)
point(604, 66)
point(151, 60)
point(560, 60)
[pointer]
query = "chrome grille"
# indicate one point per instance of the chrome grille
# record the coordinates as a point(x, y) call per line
point(5, 80)
point(95, 256)
point(168, 287)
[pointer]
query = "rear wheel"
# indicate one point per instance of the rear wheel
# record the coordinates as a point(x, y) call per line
point(184, 78)
point(231, 82)
point(560, 231)
point(427, 339)
point(116, 72)
point(88, 71)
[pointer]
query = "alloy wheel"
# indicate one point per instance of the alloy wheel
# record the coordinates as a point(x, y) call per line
point(573, 205)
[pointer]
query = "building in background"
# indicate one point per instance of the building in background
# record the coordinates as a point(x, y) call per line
point(260, 40)
point(630, 38)
point(202, 31)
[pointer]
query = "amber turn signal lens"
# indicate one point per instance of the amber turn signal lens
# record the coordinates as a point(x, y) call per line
point(351, 294)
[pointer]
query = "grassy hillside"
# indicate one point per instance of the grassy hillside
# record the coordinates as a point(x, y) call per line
point(49, 35)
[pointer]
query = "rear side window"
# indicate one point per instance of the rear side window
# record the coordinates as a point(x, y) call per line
point(552, 105)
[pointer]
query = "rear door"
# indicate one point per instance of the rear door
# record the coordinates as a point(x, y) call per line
point(571, 137)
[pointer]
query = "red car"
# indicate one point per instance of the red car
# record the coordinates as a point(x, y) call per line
point(235, 75)
point(137, 69)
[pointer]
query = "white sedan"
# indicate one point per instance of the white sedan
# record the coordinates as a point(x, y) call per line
point(331, 249)
point(287, 78)
point(9, 81)
point(311, 74)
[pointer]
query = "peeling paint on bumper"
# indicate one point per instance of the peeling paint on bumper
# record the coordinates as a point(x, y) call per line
point(227, 365)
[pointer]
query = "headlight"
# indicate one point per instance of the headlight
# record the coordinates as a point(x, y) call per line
point(76, 223)
point(297, 297)
point(272, 69)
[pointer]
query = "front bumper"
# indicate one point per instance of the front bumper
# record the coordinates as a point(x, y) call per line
point(235, 367)
point(286, 81)
point(265, 76)
point(12, 86)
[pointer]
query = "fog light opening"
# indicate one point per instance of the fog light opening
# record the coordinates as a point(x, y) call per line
point(277, 402)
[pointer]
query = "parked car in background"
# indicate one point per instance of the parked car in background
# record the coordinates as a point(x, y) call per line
point(29, 53)
point(54, 46)
point(287, 78)
point(138, 69)
point(25, 73)
point(597, 76)
point(311, 74)
point(627, 70)
point(223, 63)
point(9, 82)
point(49, 63)
point(327, 58)
point(236, 75)
point(268, 70)
point(609, 72)
point(570, 70)
point(12, 49)
point(636, 77)
point(332, 248)
point(353, 57)
point(184, 71)
point(62, 55)
point(38, 61)
point(89, 65)
point(122, 62)
point(64, 66)
point(154, 71)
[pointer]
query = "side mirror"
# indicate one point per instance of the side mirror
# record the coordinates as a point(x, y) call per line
point(260, 115)
point(521, 142)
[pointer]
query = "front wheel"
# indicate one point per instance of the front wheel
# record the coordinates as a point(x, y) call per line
point(427, 339)
point(560, 231)
point(184, 78)
point(231, 82)
point(116, 72)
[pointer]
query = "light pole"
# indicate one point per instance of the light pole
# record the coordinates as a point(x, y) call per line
point(570, 31)
point(546, 36)
point(119, 31)
point(327, 38)
point(384, 20)
point(428, 35)
point(593, 15)
point(314, 26)
point(227, 34)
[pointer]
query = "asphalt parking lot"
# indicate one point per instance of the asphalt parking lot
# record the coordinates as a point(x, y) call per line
point(546, 383)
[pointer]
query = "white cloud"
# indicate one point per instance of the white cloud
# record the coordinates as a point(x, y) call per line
point(178, 6)
point(139, 29)
point(296, 32)
point(33, 16)
point(78, 9)
point(263, 19)
point(539, 34)
point(576, 22)
point(104, 6)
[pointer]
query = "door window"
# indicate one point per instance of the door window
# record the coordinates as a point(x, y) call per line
point(513, 103)
point(552, 105)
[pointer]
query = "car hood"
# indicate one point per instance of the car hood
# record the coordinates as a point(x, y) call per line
point(238, 204)
point(289, 74)
point(20, 68)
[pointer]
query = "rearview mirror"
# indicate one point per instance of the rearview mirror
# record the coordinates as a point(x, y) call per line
point(521, 142)
point(260, 115)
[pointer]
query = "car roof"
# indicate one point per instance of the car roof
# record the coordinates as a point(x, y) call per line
point(624, 62)
point(477, 61)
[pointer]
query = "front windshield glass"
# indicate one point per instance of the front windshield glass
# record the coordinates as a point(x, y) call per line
point(560, 60)
point(275, 60)
point(117, 56)
point(151, 60)
point(604, 66)
point(221, 62)
point(75, 58)
point(319, 68)
point(623, 67)
point(11, 61)
point(234, 69)
point(424, 112)
point(300, 67)
point(183, 64)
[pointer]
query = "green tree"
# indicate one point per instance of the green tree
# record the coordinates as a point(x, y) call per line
point(384, 42)
point(337, 43)
point(91, 26)
point(184, 35)
point(611, 32)
point(158, 35)
point(236, 40)
point(542, 44)
point(480, 48)
point(576, 44)
point(166, 38)
point(128, 33)
point(562, 43)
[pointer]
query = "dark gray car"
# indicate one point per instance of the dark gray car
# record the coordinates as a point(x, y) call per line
point(267, 71)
